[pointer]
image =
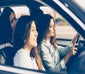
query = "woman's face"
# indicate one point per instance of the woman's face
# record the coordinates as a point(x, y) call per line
point(51, 30)
point(32, 41)
point(12, 20)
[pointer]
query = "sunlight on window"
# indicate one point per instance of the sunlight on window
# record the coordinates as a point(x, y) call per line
point(21, 10)
point(80, 3)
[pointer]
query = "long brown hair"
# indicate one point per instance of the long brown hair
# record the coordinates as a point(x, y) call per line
point(38, 58)
point(22, 32)
point(5, 25)
point(43, 27)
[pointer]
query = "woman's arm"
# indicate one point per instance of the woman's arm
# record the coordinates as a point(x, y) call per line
point(48, 60)
point(72, 52)
point(63, 50)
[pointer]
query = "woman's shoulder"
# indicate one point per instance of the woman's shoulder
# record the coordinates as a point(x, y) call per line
point(20, 52)
point(46, 47)
point(45, 43)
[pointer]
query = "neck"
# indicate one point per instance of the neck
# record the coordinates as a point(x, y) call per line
point(47, 38)
point(28, 48)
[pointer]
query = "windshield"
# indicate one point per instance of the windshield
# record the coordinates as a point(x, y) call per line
point(71, 11)
point(81, 3)
point(76, 6)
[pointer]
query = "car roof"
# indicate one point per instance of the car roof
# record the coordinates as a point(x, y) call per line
point(30, 3)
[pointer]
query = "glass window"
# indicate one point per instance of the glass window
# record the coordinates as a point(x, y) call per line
point(81, 3)
point(20, 10)
point(64, 31)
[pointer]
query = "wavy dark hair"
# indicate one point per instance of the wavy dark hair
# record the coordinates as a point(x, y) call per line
point(43, 27)
point(22, 30)
point(5, 25)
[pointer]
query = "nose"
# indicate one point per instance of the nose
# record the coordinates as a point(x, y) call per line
point(54, 27)
point(36, 33)
point(13, 24)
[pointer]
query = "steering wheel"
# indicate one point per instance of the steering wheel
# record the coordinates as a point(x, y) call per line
point(77, 40)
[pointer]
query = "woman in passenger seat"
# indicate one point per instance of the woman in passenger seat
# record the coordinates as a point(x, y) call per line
point(7, 25)
point(54, 57)
point(8, 20)
point(25, 40)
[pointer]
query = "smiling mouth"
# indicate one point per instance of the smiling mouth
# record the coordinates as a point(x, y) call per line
point(52, 32)
point(35, 39)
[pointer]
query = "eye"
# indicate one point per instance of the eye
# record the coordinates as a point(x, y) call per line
point(52, 26)
point(33, 29)
point(11, 21)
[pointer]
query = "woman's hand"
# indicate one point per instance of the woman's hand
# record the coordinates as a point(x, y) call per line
point(72, 52)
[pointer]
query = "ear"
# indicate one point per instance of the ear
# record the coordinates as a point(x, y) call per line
point(25, 41)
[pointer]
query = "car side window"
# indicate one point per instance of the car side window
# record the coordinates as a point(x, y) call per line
point(19, 10)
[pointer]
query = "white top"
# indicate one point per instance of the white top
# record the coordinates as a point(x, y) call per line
point(22, 59)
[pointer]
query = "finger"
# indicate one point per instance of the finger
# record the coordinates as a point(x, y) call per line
point(76, 44)
point(75, 49)
point(74, 52)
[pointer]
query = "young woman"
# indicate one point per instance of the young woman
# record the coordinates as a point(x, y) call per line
point(54, 57)
point(25, 40)
point(7, 22)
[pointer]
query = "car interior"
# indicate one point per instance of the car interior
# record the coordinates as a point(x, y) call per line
point(66, 26)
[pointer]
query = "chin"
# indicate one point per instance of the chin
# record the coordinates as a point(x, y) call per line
point(35, 45)
point(52, 35)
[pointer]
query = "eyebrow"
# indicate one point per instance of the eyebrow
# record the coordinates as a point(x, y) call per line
point(32, 27)
point(52, 25)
